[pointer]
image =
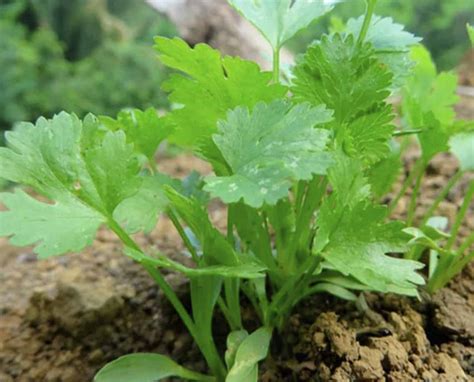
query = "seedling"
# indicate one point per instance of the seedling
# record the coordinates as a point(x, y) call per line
point(299, 169)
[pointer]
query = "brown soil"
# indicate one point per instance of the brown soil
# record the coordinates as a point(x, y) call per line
point(62, 319)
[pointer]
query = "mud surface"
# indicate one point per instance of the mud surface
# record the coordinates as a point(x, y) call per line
point(64, 318)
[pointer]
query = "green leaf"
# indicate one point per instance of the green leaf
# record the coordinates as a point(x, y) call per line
point(67, 226)
point(279, 20)
point(433, 138)
point(140, 212)
point(384, 34)
point(426, 237)
point(351, 81)
point(252, 350)
point(234, 340)
point(144, 129)
point(145, 367)
point(470, 32)
point(426, 91)
point(355, 242)
point(347, 179)
point(335, 290)
point(245, 270)
point(391, 42)
point(383, 174)
point(87, 173)
point(209, 86)
point(462, 146)
point(216, 249)
point(268, 149)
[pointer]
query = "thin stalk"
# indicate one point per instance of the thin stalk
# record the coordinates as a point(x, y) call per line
point(293, 295)
point(460, 216)
point(467, 243)
point(414, 196)
point(190, 247)
point(230, 225)
point(156, 275)
point(315, 192)
point(441, 196)
point(226, 312)
point(210, 354)
point(366, 24)
point(232, 297)
point(416, 168)
point(276, 65)
point(254, 301)
point(290, 284)
point(299, 195)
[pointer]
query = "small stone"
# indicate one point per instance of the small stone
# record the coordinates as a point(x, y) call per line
point(96, 356)
point(369, 366)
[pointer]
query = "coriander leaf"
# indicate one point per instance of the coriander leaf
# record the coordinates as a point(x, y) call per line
point(145, 367)
point(144, 129)
point(462, 146)
point(391, 43)
point(234, 340)
point(85, 172)
point(470, 32)
point(216, 249)
point(433, 138)
point(252, 350)
point(140, 211)
point(209, 86)
point(67, 226)
point(355, 242)
point(383, 174)
point(384, 34)
point(350, 80)
point(347, 180)
point(279, 20)
point(426, 91)
point(269, 148)
point(369, 136)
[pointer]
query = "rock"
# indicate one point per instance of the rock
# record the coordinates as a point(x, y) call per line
point(341, 340)
point(447, 367)
point(75, 304)
point(394, 353)
point(453, 315)
point(369, 366)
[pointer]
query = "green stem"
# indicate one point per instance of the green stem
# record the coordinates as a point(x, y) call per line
point(226, 312)
point(281, 298)
point(460, 216)
point(230, 225)
point(210, 354)
point(315, 192)
point(190, 247)
point(441, 196)
point(232, 297)
point(467, 243)
point(295, 293)
point(413, 173)
point(276, 65)
point(414, 196)
point(366, 24)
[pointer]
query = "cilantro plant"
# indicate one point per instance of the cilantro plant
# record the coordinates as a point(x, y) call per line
point(428, 107)
point(299, 169)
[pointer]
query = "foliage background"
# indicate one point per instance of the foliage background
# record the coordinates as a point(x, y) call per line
point(78, 55)
point(441, 24)
point(96, 55)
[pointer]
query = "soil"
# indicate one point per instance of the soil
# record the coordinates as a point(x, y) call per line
point(62, 319)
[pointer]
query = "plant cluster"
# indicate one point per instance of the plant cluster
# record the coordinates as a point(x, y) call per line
point(300, 166)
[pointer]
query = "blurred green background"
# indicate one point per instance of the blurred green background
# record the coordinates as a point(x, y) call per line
point(96, 55)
